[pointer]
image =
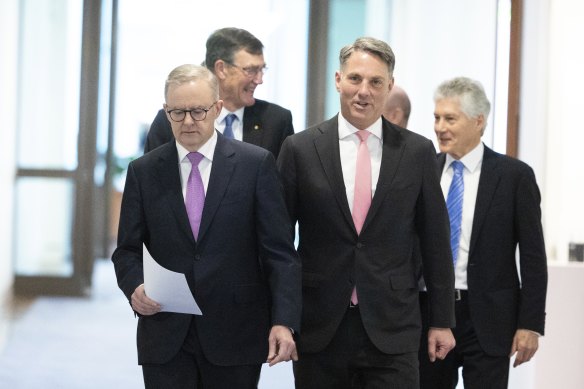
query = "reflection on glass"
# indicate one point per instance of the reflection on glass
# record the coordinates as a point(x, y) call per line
point(48, 84)
point(43, 227)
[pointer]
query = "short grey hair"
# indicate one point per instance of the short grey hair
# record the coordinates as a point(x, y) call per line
point(470, 94)
point(186, 73)
point(370, 45)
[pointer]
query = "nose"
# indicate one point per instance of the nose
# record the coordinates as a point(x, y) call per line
point(364, 89)
point(439, 126)
point(259, 77)
point(188, 119)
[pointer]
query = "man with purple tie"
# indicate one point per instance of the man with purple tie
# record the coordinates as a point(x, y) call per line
point(211, 208)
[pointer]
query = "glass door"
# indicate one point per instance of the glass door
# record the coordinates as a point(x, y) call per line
point(55, 146)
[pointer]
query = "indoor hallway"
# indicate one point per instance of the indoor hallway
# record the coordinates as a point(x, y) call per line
point(81, 342)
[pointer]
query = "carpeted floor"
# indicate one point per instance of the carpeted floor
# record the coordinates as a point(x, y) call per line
point(72, 343)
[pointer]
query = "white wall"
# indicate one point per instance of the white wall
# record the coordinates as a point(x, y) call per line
point(564, 169)
point(437, 40)
point(8, 46)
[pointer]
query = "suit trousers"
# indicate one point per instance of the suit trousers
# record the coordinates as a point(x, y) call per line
point(479, 370)
point(191, 369)
point(351, 361)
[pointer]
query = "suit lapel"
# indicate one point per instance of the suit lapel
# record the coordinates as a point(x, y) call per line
point(252, 127)
point(167, 171)
point(224, 160)
point(327, 149)
point(393, 148)
point(488, 183)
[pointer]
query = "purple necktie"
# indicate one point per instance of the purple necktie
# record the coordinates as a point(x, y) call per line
point(195, 199)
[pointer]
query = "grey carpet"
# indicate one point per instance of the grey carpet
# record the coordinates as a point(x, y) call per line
point(72, 343)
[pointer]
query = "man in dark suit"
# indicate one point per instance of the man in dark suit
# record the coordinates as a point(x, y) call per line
point(236, 250)
point(500, 310)
point(236, 57)
point(361, 319)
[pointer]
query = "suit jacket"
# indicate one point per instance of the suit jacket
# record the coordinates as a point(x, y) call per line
point(507, 214)
point(407, 204)
point(264, 124)
point(243, 270)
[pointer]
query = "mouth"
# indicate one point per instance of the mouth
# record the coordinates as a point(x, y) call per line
point(249, 89)
point(360, 105)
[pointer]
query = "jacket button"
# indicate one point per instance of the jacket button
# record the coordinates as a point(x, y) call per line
point(359, 245)
point(197, 257)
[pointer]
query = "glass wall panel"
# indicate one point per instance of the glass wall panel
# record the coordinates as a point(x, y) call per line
point(44, 220)
point(49, 75)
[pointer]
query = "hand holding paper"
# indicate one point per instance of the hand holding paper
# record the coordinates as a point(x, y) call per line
point(170, 289)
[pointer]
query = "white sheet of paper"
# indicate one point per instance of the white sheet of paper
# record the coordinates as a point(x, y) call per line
point(168, 288)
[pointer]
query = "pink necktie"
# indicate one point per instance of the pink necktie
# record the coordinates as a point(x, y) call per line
point(362, 193)
point(195, 198)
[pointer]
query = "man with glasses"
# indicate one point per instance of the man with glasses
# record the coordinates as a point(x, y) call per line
point(221, 220)
point(236, 58)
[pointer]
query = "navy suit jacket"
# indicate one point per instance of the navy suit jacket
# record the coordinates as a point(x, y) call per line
point(407, 207)
point(507, 214)
point(264, 124)
point(243, 270)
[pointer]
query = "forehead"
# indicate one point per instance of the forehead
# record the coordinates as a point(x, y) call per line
point(365, 62)
point(243, 58)
point(449, 105)
point(190, 91)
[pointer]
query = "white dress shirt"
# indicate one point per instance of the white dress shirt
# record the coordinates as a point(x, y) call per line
point(207, 149)
point(472, 172)
point(348, 146)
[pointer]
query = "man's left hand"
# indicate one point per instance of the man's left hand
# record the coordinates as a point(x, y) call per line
point(282, 345)
point(525, 344)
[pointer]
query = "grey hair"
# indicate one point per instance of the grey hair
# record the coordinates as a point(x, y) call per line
point(470, 94)
point(370, 45)
point(186, 73)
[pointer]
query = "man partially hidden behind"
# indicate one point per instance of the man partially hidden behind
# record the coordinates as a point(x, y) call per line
point(397, 107)
point(236, 58)
point(211, 208)
point(494, 206)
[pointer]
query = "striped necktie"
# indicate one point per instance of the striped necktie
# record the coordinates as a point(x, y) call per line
point(454, 205)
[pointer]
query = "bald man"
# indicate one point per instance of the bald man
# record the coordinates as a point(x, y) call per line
point(397, 107)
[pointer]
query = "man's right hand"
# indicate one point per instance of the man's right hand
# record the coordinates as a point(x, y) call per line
point(440, 342)
point(142, 303)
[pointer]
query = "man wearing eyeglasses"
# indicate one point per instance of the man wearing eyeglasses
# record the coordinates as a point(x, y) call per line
point(221, 220)
point(236, 58)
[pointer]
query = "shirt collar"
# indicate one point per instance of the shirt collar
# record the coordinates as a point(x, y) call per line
point(346, 129)
point(225, 112)
point(471, 160)
point(207, 149)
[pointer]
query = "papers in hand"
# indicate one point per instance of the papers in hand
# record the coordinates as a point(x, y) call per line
point(168, 288)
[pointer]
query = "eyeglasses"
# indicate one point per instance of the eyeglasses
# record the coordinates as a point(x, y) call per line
point(198, 114)
point(251, 71)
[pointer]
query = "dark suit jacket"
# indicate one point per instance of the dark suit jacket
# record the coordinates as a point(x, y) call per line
point(264, 124)
point(507, 213)
point(243, 270)
point(407, 204)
